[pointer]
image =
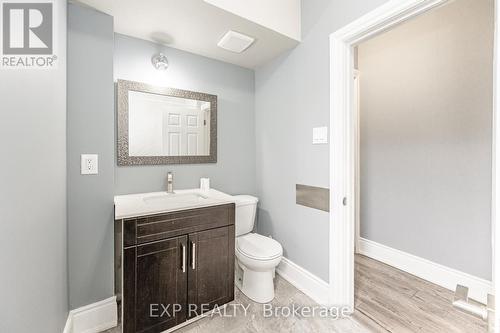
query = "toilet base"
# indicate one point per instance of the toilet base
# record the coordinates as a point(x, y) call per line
point(258, 286)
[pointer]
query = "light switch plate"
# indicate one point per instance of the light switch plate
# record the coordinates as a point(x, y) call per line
point(89, 164)
point(320, 135)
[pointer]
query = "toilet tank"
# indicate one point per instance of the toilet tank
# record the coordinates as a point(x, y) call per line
point(246, 207)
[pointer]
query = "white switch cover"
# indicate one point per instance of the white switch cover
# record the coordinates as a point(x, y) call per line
point(89, 164)
point(320, 135)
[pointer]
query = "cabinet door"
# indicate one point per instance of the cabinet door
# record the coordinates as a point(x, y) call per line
point(211, 269)
point(156, 275)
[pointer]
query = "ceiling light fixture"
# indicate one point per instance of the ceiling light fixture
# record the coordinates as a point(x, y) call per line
point(160, 62)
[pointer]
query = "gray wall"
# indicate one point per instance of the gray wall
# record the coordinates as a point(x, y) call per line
point(90, 130)
point(292, 97)
point(426, 112)
point(235, 169)
point(33, 278)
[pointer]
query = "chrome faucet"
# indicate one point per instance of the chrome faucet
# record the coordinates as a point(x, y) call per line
point(170, 182)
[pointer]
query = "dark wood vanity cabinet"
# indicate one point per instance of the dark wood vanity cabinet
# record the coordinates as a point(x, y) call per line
point(211, 271)
point(153, 279)
point(175, 266)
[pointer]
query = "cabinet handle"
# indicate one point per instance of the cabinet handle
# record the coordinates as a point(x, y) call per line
point(193, 255)
point(183, 258)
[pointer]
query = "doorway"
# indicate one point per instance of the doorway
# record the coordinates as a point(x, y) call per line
point(343, 159)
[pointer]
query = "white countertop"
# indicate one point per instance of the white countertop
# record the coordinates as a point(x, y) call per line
point(142, 204)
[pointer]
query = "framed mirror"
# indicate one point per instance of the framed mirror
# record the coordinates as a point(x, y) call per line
point(165, 125)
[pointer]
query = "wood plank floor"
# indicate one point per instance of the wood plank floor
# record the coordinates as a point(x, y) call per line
point(390, 300)
point(387, 300)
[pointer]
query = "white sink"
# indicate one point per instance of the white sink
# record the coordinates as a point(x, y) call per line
point(173, 199)
point(134, 205)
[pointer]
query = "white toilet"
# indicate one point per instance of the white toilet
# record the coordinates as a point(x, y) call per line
point(256, 256)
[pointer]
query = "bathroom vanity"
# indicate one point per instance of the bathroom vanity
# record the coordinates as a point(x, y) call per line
point(174, 257)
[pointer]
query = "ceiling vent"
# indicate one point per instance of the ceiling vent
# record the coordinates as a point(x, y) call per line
point(235, 42)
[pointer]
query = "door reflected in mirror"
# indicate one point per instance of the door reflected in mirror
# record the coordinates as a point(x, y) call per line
point(162, 125)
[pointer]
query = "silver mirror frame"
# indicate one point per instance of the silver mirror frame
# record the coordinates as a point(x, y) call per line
point(124, 159)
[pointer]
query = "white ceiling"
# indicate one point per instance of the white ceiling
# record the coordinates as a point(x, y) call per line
point(194, 26)
point(282, 16)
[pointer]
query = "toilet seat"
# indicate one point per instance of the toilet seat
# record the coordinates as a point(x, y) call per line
point(258, 247)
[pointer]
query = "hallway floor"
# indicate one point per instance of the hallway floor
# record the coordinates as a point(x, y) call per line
point(387, 300)
point(394, 301)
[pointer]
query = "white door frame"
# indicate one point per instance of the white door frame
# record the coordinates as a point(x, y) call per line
point(343, 140)
point(357, 160)
point(495, 207)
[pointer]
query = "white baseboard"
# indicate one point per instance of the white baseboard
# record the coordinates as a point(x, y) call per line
point(308, 283)
point(426, 269)
point(93, 318)
point(68, 328)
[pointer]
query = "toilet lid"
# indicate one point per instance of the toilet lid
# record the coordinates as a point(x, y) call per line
point(258, 246)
